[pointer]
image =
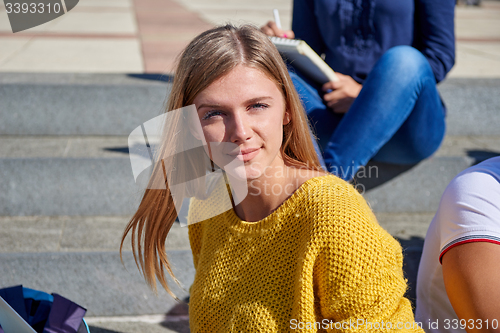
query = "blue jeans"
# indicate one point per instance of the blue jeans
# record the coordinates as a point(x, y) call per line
point(398, 116)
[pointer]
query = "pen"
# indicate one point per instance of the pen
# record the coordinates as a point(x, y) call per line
point(277, 18)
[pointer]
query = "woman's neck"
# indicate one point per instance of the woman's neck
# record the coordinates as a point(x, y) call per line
point(268, 192)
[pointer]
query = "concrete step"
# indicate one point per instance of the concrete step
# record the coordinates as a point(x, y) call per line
point(78, 234)
point(97, 280)
point(40, 234)
point(138, 324)
point(114, 104)
point(78, 104)
point(66, 176)
point(418, 188)
point(473, 106)
point(410, 188)
point(78, 257)
point(90, 176)
point(67, 186)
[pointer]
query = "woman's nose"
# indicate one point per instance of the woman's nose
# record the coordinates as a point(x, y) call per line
point(239, 128)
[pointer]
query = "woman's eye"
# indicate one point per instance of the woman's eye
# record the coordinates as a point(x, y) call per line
point(211, 114)
point(259, 106)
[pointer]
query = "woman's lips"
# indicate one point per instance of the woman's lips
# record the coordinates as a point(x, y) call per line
point(247, 154)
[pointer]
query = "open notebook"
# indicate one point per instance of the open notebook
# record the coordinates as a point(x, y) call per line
point(12, 322)
point(305, 59)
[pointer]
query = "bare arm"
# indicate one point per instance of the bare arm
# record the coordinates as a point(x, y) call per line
point(471, 275)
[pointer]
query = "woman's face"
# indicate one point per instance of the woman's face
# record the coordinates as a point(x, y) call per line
point(243, 112)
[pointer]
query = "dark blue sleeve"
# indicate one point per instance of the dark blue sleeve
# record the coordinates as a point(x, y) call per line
point(434, 34)
point(305, 25)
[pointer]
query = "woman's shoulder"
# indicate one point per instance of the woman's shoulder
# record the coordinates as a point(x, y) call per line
point(340, 214)
point(326, 187)
point(333, 201)
point(314, 178)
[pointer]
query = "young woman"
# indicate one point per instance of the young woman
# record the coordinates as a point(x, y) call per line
point(302, 250)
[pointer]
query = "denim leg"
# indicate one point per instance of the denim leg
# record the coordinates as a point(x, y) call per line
point(399, 104)
point(422, 132)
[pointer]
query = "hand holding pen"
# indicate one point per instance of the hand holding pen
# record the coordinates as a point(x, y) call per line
point(273, 28)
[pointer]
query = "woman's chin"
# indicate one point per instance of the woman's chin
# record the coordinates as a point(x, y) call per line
point(244, 173)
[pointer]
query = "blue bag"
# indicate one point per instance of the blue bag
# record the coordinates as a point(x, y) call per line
point(45, 313)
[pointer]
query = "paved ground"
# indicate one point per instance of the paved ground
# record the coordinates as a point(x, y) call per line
point(136, 36)
point(144, 36)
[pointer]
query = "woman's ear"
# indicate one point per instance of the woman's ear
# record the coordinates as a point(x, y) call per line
point(286, 117)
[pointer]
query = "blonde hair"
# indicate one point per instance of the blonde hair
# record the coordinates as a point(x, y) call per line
point(211, 55)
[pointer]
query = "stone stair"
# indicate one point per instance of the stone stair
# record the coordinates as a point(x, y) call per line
point(67, 193)
point(67, 190)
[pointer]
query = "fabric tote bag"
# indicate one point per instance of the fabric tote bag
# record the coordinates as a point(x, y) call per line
point(44, 313)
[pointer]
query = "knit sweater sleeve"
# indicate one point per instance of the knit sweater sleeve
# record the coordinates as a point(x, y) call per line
point(358, 273)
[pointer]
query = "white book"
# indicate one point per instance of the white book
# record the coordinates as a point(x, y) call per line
point(305, 59)
point(11, 321)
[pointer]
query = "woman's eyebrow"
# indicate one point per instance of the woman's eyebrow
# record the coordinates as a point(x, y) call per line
point(257, 99)
point(250, 101)
point(209, 106)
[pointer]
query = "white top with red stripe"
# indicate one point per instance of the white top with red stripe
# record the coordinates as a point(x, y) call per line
point(469, 211)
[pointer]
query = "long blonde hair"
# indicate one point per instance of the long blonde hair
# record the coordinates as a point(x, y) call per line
point(211, 55)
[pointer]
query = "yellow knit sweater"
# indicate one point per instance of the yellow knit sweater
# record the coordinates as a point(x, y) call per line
point(319, 263)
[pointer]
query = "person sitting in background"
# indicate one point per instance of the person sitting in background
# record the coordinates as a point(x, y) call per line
point(389, 55)
point(458, 282)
